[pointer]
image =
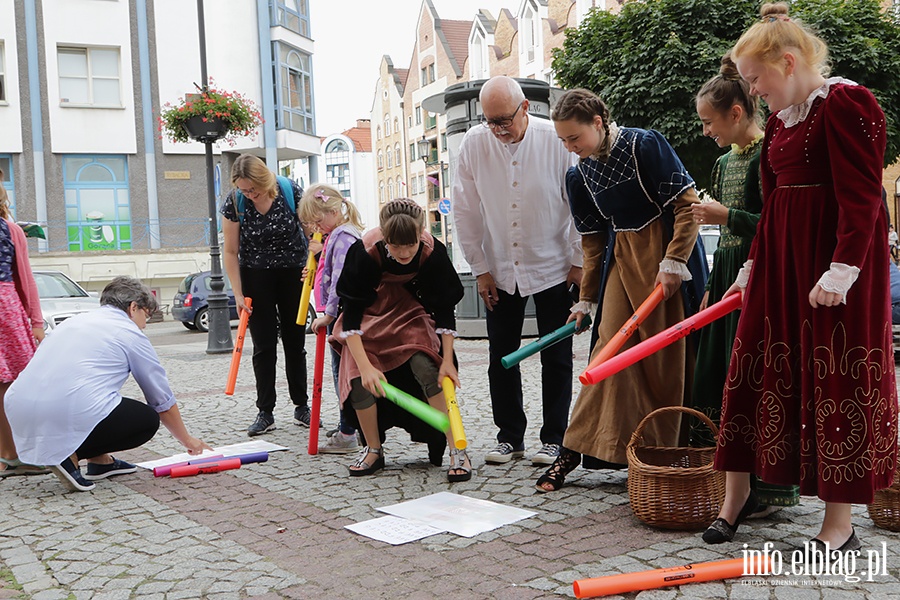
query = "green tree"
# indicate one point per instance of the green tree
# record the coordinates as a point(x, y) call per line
point(649, 61)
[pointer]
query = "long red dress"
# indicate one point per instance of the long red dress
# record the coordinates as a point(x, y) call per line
point(810, 396)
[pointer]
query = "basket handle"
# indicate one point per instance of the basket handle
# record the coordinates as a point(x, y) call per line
point(638, 434)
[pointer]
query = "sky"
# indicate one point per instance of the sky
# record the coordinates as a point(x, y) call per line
point(350, 38)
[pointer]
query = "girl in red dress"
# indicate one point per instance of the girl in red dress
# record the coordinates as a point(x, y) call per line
point(810, 396)
point(21, 326)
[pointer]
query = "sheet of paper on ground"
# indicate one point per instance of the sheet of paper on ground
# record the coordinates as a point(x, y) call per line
point(393, 530)
point(230, 450)
point(458, 514)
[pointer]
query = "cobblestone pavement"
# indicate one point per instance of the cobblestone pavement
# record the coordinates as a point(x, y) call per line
point(276, 529)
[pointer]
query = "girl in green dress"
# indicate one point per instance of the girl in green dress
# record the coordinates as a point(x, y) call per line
point(730, 117)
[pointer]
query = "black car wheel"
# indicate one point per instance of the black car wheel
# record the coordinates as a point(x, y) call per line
point(201, 321)
point(310, 317)
point(190, 326)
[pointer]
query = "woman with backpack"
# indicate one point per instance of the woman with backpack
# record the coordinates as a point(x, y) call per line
point(265, 251)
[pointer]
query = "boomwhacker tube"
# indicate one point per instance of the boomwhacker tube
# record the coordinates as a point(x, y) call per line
point(417, 408)
point(224, 464)
point(657, 578)
point(661, 340)
point(253, 457)
point(238, 348)
point(456, 424)
point(630, 326)
point(308, 283)
point(567, 330)
point(313, 446)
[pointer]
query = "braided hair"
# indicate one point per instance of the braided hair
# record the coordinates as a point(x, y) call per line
point(727, 89)
point(402, 221)
point(582, 106)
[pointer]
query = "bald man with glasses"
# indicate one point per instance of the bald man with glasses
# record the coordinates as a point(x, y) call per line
point(516, 232)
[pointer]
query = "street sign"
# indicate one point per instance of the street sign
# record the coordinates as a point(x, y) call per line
point(444, 206)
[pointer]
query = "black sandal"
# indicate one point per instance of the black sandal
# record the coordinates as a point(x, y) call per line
point(458, 460)
point(369, 469)
point(564, 464)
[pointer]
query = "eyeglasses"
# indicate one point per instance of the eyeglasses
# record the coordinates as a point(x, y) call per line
point(501, 122)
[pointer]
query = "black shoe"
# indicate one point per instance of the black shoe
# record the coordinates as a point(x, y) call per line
point(814, 550)
point(303, 417)
point(722, 531)
point(116, 467)
point(70, 476)
point(264, 422)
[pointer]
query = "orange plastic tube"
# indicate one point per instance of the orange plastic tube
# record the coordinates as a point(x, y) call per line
point(238, 349)
point(226, 464)
point(630, 326)
point(313, 447)
point(661, 340)
point(657, 578)
point(308, 283)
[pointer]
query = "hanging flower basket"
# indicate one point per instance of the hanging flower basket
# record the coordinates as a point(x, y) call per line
point(208, 116)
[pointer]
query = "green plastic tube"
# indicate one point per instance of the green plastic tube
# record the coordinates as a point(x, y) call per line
point(416, 407)
point(567, 330)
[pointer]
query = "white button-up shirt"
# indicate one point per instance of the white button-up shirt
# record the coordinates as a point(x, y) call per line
point(511, 210)
point(73, 383)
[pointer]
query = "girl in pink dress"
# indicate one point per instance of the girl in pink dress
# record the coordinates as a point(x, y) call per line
point(810, 397)
point(21, 326)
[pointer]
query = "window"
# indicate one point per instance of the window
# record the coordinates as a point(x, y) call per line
point(421, 183)
point(430, 120)
point(89, 77)
point(380, 160)
point(295, 102)
point(418, 115)
point(396, 125)
point(431, 76)
point(390, 158)
point(98, 213)
point(443, 142)
point(390, 189)
point(6, 182)
point(414, 188)
point(528, 28)
point(412, 152)
point(2, 75)
point(397, 159)
point(410, 120)
point(381, 192)
point(387, 125)
point(337, 166)
point(378, 132)
point(293, 15)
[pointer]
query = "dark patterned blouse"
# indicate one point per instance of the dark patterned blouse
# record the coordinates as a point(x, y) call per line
point(273, 240)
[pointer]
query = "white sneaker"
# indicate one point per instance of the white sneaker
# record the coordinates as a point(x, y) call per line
point(546, 455)
point(340, 444)
point(502, 454)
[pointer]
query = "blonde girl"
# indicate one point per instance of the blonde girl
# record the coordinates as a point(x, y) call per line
point(335, 217)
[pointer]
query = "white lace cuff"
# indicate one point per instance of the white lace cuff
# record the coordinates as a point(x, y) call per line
point(838, 279)
point(667, 265)
point(345, 334)
point(584, 307)
point(743, 276)
point(442, 330)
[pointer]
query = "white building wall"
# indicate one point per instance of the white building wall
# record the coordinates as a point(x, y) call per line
point(363, 189)
point(100, 24)
point(232, 58)
point(10, 110)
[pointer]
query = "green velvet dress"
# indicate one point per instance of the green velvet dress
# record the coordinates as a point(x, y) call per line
point(736, 185)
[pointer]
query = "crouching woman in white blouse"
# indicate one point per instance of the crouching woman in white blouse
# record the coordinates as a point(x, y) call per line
point(66, 406)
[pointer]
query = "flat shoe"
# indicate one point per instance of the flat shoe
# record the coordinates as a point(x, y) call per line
point(13, 470)
point(721, 531)
point(851, 545)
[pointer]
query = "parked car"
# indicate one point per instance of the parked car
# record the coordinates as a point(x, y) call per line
point(191, 303)
point(62, 298)
point(710, 236)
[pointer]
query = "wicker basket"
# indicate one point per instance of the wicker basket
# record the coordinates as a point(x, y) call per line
point(674, 488)
point(885, 508)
